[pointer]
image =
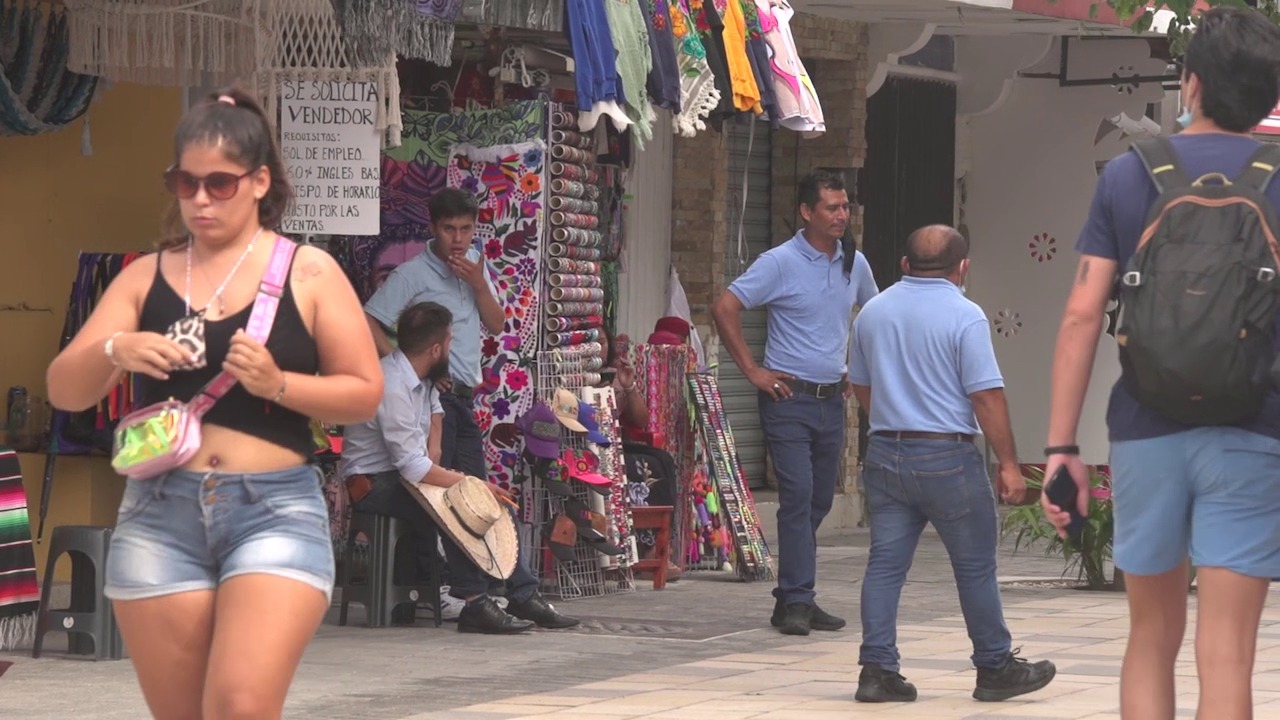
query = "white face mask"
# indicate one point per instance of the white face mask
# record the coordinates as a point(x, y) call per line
point(1184, 119)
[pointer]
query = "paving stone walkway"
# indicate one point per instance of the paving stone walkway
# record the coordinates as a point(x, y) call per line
point(700, 649)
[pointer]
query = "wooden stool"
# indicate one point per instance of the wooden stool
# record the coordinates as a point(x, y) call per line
point(658, 518)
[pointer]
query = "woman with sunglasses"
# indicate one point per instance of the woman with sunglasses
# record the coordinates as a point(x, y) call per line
point(221, 571)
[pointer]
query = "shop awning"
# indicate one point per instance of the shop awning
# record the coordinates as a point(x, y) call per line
point(1270, 126)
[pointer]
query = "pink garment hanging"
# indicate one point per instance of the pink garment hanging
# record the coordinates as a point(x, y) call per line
point(798, 106)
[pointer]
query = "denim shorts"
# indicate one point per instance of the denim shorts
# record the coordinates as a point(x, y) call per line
point(186, 531)
point(1211, 493)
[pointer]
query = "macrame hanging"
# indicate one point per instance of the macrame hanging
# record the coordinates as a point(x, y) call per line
point(164, 42)
point(38, 93)
point(420, 29)
point(199, 43)
point(303, 40)
point(546, 15)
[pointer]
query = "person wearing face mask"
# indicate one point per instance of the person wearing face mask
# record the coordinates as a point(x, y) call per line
point(809, 286)
point(1211, 492)
point(923, 365)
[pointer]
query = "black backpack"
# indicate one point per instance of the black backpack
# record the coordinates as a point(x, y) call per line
point(1199, 296)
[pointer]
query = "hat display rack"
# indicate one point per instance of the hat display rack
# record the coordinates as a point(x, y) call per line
point(752, 559)
point(590, 573)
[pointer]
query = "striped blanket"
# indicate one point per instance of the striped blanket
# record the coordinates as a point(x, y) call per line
point(19, 593)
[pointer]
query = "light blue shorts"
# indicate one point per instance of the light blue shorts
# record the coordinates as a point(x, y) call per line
point(187, 531)
point(1212, 493)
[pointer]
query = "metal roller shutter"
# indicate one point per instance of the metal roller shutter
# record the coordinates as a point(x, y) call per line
point(737, 393)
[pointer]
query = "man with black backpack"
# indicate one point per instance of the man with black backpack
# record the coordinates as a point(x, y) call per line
point(1182, 232)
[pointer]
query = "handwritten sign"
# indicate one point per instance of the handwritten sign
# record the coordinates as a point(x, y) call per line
point(331, 147)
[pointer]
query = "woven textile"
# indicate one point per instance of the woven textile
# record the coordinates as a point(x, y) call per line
point(19, 593)
point(421, 29)
point(38, 93)
point(507, 182)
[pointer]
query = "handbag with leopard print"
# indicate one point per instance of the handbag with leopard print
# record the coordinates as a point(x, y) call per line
point(164, 436)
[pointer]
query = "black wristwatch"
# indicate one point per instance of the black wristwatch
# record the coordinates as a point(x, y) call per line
point(1062, 450)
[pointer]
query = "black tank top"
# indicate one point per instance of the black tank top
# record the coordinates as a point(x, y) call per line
point(290, 344)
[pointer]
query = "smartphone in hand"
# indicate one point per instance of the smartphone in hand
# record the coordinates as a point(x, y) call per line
point(1063, 492)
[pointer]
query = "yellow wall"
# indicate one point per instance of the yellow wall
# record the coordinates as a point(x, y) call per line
point(54, 203)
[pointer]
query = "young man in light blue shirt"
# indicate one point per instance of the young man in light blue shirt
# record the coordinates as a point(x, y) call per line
point(922, 364)
point(810, 285)
point(452, 273)
point(402, 442)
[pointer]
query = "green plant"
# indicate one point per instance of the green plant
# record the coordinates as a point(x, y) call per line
point(1089, 557)
point(1141, 13)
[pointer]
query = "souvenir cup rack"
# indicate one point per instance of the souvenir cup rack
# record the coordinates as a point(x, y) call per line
point(589, 574)
point(751, 557)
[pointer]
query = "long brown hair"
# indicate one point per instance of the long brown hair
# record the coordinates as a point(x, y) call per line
point(244, 134)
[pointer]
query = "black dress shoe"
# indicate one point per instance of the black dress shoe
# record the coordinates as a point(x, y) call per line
point(484, 616)
point(541, 613)
point(877, 685)
point(819, 619)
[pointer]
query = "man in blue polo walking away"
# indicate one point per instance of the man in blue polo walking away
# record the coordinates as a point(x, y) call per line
point(923, 365)
point(810, 285)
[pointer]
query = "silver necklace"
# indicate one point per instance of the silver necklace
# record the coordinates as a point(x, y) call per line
point(217, 294)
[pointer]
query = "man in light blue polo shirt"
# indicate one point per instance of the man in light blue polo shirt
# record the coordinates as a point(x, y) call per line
point(451, 272)
point(922, 364)
point(809, 285)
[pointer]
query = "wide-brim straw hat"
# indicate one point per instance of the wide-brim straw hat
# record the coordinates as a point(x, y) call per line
point(474, 519)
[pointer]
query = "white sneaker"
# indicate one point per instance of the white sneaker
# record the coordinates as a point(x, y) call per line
point(450, 607)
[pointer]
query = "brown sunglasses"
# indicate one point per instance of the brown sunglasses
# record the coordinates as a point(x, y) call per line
point(219, 185)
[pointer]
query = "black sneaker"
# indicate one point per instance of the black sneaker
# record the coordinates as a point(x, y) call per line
point(877, 685)
point(823, 620)
point(795, 619)
point(542, 613)
point(484, 616)
point(819, 619)
point(1016, 677)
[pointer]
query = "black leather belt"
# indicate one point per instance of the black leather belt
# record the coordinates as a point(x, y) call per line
point(822, 391)
point(910, 435)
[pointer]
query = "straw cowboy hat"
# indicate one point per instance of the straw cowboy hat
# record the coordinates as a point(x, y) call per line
point(474, 520)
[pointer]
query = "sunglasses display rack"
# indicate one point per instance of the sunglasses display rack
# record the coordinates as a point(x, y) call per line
point(574, 312)
point(752, 559)
point(587, 575)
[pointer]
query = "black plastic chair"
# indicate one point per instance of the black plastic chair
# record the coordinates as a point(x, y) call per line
point(89, 622)
point(380, 593)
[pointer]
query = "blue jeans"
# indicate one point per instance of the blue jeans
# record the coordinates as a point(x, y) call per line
point(389, 497)
point(910, 483)
point(461, 443)
point(805, 439)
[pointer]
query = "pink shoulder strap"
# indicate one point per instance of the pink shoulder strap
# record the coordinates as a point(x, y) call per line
point(261, 319)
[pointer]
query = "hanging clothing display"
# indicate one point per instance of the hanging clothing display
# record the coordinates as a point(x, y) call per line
point(758, 56)
point(711, 31)
point(633, 61)
point(546, 15)
point(19, 593)
point(420, 29)
point(746, 94)
point(698, 93)
point(798, 106)
point(38, 93)
point(506, 181)
point(595, 66)
point(664, 77)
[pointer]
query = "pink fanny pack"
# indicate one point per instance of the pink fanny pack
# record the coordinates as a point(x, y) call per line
point(166, 435)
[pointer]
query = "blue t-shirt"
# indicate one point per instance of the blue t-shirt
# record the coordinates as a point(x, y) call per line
point(923, 348)
point(1120, 207)
point(810, 305)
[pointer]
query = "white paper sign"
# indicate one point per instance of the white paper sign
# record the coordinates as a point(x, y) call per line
point(331, 148)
